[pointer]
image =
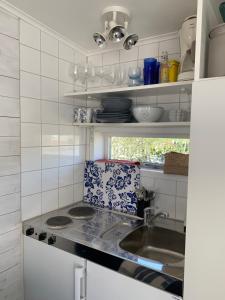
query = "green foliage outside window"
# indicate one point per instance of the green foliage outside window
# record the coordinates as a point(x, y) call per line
point(149, 150)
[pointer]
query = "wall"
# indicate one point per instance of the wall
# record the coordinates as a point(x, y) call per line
point(41, 153)
point(52, 150)
point(171, 190)
point(10, 221)
point(151, 47)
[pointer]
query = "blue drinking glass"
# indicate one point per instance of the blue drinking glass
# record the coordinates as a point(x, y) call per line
point(150, 70)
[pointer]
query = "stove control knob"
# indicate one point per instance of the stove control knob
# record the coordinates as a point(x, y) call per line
point(52, 240)
point(42, 236)
point(30, 231)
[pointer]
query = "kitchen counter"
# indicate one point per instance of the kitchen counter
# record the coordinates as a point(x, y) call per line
point(97, 239)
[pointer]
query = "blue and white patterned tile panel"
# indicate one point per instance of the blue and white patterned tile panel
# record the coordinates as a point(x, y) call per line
point(112, 185)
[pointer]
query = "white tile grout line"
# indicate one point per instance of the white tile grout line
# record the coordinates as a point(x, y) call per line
point(40, 53)
point(58, 128)
point(20, 135)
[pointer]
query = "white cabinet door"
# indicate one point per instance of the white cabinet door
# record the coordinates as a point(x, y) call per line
point(49, 273)
point(104, 284)
point(205, 242)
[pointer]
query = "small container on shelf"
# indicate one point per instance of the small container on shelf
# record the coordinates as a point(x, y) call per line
point(164, 68)
point(134, 74)
point(83, 115)
point(151, 71)
point(173, 70)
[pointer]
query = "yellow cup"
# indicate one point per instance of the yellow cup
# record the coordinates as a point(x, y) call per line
point(173, 70)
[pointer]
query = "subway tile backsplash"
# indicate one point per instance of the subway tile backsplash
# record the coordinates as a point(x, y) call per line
point(171, 192)
point(10, 215)
point(48, 137)
point(10, 202)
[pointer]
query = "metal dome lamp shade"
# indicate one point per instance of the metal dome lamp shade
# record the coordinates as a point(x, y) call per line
point(130, 41)
point(117, 33)
point(99, 39)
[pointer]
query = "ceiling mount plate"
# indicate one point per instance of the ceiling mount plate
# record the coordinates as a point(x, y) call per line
point(122, 13)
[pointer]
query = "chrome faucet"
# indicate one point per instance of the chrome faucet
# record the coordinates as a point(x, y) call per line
point(150, 217)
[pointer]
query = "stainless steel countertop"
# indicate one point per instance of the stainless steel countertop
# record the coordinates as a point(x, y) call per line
point(104, 232)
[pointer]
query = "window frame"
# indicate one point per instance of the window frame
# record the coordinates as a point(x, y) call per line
point(153, 167)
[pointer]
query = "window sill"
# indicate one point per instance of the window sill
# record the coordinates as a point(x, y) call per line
point(160, 174)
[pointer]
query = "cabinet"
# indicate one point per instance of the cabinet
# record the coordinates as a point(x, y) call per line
point(205, 243)
point(105, 284)
point(50, 273)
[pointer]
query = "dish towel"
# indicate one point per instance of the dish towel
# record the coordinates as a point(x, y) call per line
point(112, 184)
point(151, 277)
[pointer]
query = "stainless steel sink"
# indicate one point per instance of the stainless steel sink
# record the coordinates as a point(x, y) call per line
point(158, 244)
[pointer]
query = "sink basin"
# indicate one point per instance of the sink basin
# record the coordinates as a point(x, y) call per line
point(158, 244)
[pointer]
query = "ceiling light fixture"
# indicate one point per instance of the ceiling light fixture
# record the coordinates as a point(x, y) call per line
point(130, 41)
point(116, 23)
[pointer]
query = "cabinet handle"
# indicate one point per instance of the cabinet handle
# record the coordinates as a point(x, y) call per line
point(79, 280)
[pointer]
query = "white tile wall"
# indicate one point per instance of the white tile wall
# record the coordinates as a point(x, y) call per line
point(9, 24)
point(9, 58)
point(8, 241)
point(49, 44)
point(66, 52)
point(49, 112)
point(9, 107)
point(9, 127)
point(125, 59)
point(50, 157)
point(50, 200)
point(148, 50)
point(30, 85)
point(9, 165)
point(171, 192)
point(50, 179)
point(10, 219)
point(9, 146)
point(31, 206)
point(31, 183)
point(49, 66)
point(9, 87)
point(49, 89)
point(30, 135)
point(29, 60)
point(66, 195)
point(29, 35)
point(48, 137)
point(110, 58)
point(30, 159)
point(30, 110)
point(9, 203)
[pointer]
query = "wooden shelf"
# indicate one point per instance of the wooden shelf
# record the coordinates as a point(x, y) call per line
point(144, 90)
point(176, 129)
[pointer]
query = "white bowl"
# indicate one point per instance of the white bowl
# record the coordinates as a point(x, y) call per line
point(147, 113)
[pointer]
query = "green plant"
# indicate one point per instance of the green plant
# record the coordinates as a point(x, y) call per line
point(146, 149)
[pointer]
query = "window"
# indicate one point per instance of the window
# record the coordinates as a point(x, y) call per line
point(149, 151)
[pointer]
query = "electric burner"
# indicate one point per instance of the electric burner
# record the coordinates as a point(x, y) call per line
point(58, 222)
point(82, 212)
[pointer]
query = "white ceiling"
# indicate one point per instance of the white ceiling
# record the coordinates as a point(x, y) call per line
point(79, 19)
